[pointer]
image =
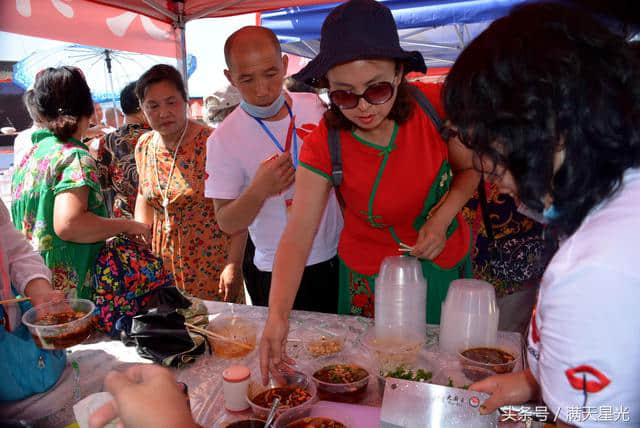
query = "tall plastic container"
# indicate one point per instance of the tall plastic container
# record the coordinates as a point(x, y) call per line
point(400, 300)
point(469, 316)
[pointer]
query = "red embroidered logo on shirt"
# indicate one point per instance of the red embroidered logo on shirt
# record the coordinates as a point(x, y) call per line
point(577, 378)
point(535, 334)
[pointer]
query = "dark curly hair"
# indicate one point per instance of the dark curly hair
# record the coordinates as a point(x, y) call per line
point(399, 113)
point(546, 78)
point(60, 98)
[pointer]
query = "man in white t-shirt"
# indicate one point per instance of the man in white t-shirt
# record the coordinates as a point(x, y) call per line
point(251, 161)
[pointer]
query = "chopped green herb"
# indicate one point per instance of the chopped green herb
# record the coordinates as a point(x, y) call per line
point(402, 372)
point(451, 385)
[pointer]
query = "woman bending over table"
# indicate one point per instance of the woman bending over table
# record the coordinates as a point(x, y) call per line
point(549, 101)
point(403, 184)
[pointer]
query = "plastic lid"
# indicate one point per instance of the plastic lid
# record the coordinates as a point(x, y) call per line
point(236, 373)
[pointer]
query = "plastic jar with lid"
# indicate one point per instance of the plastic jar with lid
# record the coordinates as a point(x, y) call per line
point(235, 384)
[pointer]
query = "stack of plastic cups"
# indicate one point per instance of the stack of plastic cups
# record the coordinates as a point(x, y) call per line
point(469, 316)
point(400, 301)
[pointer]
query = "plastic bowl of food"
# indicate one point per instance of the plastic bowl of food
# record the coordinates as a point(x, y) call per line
point(341, 381)
point(324, 340)
point(238, 421)
point(495, 359)
point(294, 389)
point(240, 336)
point(316, 415)
point(60, 325)
point(389, 353)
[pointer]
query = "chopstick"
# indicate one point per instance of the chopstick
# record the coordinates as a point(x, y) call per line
point(404, 247)
point(213, 335)
point(9, 301)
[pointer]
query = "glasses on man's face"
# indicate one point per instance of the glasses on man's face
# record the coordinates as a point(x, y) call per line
point(376, 94)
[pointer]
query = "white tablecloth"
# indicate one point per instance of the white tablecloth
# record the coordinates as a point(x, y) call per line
point(203, 377)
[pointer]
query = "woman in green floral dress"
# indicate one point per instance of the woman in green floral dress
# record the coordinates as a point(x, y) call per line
point(57, 202)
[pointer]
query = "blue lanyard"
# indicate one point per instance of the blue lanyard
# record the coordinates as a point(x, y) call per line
point(275, 140)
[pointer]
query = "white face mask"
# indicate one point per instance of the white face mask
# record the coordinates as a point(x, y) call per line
point(263, 112)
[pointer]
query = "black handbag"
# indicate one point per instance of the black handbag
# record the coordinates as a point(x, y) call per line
point(160, 333)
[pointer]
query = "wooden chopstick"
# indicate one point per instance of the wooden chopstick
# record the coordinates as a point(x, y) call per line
point(213, 335)
point(408, 250)
point(9, 301)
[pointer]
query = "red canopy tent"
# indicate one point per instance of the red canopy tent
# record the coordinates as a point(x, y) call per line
point(148, 26)
point(179, 12)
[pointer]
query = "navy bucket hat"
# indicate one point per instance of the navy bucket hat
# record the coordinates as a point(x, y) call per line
point(358, 29)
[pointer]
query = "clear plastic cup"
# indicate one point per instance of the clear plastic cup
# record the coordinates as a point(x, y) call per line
point(469, 316)
point(400, 299)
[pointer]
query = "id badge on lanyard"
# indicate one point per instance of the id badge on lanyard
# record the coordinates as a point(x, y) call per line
point(288, 147)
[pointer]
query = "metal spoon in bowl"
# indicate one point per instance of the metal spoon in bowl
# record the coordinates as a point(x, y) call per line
point(272, 412)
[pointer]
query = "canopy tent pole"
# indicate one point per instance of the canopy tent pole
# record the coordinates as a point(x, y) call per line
point(107, 59)
point(182, 43)
point(430, 45)
point(304, 42)
point(178, 22)
point(214, 9)
point(161, 9)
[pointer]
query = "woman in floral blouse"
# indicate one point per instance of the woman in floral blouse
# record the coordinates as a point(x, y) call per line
point(205, 261)
point(57, 202)
point(116, 161)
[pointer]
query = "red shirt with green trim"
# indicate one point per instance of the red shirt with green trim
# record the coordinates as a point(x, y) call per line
point(407, 168)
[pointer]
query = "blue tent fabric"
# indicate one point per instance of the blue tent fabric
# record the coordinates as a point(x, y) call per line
point(439, 29)
point(303, 23)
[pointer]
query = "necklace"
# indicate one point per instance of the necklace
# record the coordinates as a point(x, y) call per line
point(165, 196)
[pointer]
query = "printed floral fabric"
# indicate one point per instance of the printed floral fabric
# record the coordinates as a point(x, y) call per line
point(117, 166)
point(195, 249)
point(507, 222)
point(51, 167)
point(125, 275)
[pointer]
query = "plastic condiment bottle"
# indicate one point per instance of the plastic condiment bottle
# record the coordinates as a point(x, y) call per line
point(235, 384)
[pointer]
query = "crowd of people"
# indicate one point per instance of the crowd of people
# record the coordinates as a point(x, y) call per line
point(543, 105)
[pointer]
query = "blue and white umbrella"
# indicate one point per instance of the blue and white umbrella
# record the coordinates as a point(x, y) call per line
point(107, 71)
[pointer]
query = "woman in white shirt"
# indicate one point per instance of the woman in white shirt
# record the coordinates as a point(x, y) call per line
point(549, 101)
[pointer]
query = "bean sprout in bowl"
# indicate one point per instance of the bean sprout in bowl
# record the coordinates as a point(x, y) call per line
point(390, 353)
point(60, 325)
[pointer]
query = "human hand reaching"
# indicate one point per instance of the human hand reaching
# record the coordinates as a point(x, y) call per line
point(145, 395)
point(273, 345)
